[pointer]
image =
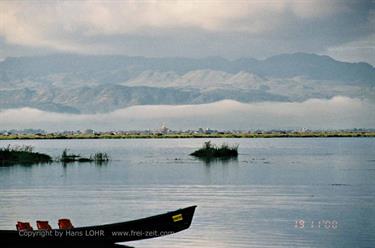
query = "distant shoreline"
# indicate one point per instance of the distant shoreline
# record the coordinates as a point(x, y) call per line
point(325, 134)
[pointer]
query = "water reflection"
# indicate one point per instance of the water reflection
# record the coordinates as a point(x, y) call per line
point(22, 164)
point(77, 163)
point(224, 160)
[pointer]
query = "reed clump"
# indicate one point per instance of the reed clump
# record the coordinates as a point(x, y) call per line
point(210, 150)
point(99, 157)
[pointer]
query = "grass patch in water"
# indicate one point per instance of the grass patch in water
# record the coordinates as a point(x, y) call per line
point(22, 155)
point(99, 157)
point(211, 151)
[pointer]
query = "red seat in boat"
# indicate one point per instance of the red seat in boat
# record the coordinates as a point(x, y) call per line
point(43, 225)
point(65, 224)
point(23, 226)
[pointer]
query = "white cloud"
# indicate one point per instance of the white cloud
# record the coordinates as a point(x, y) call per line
point(338, 112)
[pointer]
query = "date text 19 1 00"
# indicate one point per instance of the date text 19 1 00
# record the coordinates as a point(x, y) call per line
point(317, 224)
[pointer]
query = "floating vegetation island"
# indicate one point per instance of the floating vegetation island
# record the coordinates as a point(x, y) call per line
point(98, 157)
point(12, 155)
point(22, 155)
point(211, 151)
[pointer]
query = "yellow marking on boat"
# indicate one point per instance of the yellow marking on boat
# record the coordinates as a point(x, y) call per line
point(177, 217)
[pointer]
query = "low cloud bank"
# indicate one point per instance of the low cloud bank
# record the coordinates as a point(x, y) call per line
point(336, 113)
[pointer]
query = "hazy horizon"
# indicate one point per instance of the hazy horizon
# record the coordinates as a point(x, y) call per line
point(336, 113)
point(184, 57)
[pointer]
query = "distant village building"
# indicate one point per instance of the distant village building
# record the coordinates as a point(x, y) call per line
point(89, 131)
point(164, 129)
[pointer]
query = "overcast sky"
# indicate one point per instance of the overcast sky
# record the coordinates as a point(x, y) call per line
point(232, 29)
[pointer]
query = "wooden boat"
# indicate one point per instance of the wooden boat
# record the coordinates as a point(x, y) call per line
point(146, 228)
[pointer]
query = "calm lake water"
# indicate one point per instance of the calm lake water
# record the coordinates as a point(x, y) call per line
point(253, 201)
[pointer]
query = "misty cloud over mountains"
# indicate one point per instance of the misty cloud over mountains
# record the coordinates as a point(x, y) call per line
point(335, 113)
point(99, 84)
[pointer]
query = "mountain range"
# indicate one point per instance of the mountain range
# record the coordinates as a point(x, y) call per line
point(97, 84)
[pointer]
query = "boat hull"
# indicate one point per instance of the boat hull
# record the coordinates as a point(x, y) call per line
point(146, 228)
